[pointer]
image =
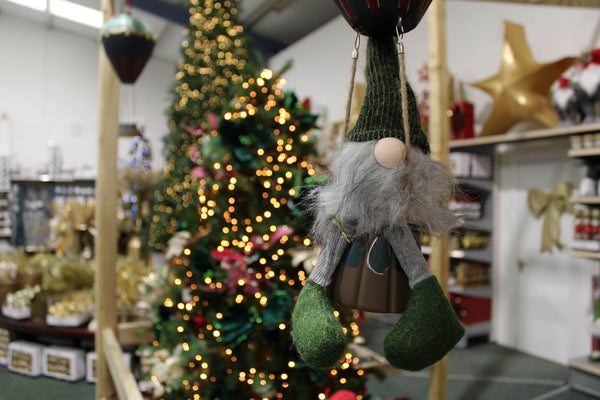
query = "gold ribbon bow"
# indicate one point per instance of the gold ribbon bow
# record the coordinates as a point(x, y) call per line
point(551, 204)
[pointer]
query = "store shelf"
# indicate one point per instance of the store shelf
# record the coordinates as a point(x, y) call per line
point(585, 376)
point(478, 225)
point(583, 153)
point(481, 255)
point(586, 254)
point(130, 333)
point(53, 179)
point(480, 291)
point(586, 200)
point(540, 134)
point(485, 184)
point(584, 364)
point(474, 330)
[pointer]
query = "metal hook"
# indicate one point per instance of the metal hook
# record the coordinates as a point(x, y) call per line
point(356, 45)
point(400, 36)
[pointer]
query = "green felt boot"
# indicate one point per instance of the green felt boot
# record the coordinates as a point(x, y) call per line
point(318, 336)
point(427, 330)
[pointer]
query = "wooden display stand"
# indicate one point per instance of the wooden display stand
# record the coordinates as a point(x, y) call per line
point(130, 333)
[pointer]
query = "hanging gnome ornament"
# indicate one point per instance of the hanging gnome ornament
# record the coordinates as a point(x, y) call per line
point(384, 190)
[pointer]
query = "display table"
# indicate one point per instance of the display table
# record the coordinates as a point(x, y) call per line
point(129, 333)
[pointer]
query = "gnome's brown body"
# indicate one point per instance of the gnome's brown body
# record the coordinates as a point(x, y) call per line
point(367, 217)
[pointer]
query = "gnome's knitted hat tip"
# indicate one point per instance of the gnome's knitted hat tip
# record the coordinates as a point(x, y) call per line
point(381, 112)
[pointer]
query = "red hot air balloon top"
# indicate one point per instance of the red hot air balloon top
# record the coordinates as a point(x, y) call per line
point(380, 17)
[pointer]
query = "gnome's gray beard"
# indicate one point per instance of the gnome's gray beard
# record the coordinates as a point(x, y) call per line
point(368, 198)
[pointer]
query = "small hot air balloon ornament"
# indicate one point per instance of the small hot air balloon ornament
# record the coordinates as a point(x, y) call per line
point(380, 17)
point(128, 43)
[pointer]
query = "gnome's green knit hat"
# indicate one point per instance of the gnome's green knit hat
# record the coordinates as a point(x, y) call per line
point(381, 112)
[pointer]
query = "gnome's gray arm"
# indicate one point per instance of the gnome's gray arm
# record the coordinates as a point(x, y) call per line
point(408, 253)
point(329, 258)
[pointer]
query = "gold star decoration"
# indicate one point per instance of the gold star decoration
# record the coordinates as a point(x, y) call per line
point(521, 89)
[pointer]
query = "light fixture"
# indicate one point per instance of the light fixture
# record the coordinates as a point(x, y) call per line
point(76, 13)
point(65, 9)
point(39, 5)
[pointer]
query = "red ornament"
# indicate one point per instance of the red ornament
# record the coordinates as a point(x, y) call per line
point(306, 104)
point(380, 18)
point(196, 131)
point(462, 120)
point(343, 395)
point(226, 254)
point(199, 321)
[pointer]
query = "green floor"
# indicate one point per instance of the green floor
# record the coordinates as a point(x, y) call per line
point(482, 372)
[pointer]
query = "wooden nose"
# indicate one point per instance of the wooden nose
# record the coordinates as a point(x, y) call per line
point(389, 152)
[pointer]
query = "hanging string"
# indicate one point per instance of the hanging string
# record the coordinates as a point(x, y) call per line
point(352, 76)
point(404, 99)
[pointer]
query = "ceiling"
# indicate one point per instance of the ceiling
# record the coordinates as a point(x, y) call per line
point(274, 24)
point(283, 21)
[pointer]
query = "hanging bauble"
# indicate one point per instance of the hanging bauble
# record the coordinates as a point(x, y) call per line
point(128, 43)
point(380, 18)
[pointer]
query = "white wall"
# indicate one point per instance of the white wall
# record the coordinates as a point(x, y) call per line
point(542, 309)
point(48, 91)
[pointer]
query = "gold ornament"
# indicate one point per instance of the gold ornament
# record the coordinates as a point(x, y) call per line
point(521, 88)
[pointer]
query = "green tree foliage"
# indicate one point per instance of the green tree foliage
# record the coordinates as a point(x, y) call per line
point(216, 55)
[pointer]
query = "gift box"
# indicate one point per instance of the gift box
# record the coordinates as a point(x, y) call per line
point(92, 358)
point(4, 342)
point(460, 164)
point(25, 358)
point(64, 363)
point(470, 309)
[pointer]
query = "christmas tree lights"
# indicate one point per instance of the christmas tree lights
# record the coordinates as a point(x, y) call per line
point(231, 204)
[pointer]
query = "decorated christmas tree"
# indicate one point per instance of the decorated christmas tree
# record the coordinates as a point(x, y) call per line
point(225, 321)
point(230, 208)
point(216, 54)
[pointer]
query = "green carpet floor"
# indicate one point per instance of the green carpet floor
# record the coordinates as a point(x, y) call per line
point(19, 387)
point(481, 372)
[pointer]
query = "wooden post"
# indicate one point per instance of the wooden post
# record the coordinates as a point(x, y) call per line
point(439, 128)
point(126, 386)
point(106, 209)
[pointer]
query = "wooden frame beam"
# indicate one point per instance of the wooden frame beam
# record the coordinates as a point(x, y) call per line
point(439, 136)
point(106, 208)
point(126, 385)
